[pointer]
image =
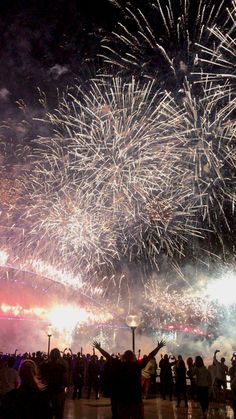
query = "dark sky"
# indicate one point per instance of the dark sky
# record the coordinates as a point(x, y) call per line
point(47, 44)
point(36, 36)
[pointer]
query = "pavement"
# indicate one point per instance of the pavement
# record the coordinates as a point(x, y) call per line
point(154, 408)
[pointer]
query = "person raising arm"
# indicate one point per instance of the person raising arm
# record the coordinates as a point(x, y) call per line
point(125, 382)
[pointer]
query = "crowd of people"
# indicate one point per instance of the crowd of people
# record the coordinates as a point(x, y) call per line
point(36, 385)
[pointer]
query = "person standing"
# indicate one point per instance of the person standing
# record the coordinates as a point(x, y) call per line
point(166, 376)
point(9, 377)
point(147, 373)
point(221, 371)
point(192, 390)
point(111, 369)
point(232, 369)
point(213, 389)
point(77, 376)
point(203, 382)
point(233, 393)
point(55, 374)
point(127, 375)
point(93, 377)
point(30, 400)
point(180, 381)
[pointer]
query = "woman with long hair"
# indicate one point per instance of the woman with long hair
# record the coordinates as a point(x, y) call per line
point(203, 382)
point(180, 381)
point(30, 400)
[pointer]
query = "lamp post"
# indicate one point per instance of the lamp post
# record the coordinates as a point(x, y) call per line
point(49, 335)
point(133, 321)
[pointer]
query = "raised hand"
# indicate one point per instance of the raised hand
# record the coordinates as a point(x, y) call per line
point(161, 344)
point(96, 344)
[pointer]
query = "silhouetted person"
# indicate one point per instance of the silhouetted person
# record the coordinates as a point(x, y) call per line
point(127, 374)
point(30, 400)
point(93, 376)
point(190, 365)
point(102, 363)
point(221, 371)
point(232, 369)
point(55, 374)
point(9, 377)
point(233, 394)
point(203, 382)
point(180, 381)
point(166, 377)
point(213, 388)
point(77, 377)
point(110, 384)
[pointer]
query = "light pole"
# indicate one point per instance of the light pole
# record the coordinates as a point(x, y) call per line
point(133, 321)
point(49, 335)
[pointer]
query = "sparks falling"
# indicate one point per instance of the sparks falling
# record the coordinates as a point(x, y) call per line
point(111, 186)
point(159, 41)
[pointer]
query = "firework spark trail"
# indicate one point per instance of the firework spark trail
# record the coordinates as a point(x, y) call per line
point(207, 303)
point(127, 174)
point(16, 261)
point(159, 41)
point(112, 185)
point(36, 273)
point(222, 57)
point(39, 268)
point(210, 153)
point(76, 226)
point(169, 305)
point(195, 306)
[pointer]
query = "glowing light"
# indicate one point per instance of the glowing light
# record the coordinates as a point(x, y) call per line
point(19, 310)
point(65, 317)
point(222, 289)
point(60, 317)
point(3, 257)
point(209, 152)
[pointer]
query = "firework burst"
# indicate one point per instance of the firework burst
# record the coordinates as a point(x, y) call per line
point(210, 153)
point(173, 306)
point(109, 185)
point(159, 39)
point(221, 59)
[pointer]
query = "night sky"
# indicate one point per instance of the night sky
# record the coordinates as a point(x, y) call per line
point(37, 35)
point(47, 44)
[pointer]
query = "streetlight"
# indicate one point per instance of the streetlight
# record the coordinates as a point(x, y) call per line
point(133, 321)
point(49, 335)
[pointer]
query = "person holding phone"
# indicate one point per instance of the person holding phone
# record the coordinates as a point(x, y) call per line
point(221, 371)
point(203, 383)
